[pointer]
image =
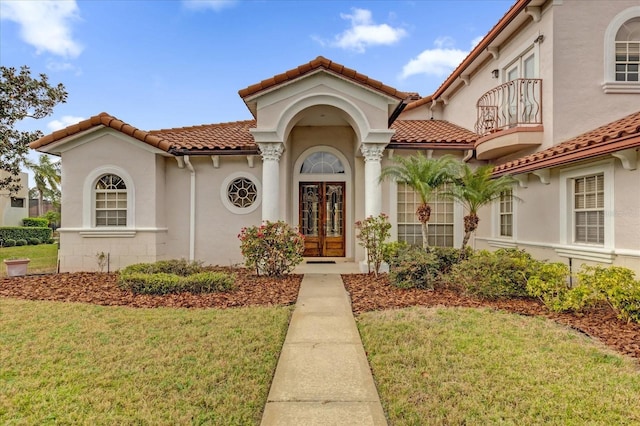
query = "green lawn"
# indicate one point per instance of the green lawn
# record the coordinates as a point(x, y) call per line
point(71, 363)
point(477, 367)
point(44, 257)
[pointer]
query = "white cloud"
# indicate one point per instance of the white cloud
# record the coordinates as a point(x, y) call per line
point(46, 25)
point(216, 5)
point(64, 121)
point(63, 66)
point(440, 61)
point(364, 32)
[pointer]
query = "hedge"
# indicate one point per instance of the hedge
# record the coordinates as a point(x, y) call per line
point(24, 233)
point(37, 222)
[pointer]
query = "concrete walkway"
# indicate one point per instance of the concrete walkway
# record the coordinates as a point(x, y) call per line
point(323, 377)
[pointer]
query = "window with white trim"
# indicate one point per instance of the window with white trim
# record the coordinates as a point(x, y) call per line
point(627, 53)
point(110, 201)
point(588, 209)
point(506, 213)
point(440, 223)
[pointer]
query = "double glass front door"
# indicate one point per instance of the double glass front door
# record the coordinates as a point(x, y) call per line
point(322, 217)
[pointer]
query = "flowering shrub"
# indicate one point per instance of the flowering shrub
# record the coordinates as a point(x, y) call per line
point(372, 233)
point(273, 248)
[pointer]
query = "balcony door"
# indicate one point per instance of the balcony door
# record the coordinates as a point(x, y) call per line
point(322, 218)
point(520, 96)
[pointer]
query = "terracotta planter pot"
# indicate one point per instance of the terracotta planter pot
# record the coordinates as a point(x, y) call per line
point(16, 267)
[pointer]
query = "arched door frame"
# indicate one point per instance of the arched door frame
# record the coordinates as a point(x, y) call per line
point(346, 177)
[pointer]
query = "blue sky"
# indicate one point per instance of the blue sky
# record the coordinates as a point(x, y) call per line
point(162, 64)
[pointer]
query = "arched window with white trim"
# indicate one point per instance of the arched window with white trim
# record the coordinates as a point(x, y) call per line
point(622, 53)
point(110, 201)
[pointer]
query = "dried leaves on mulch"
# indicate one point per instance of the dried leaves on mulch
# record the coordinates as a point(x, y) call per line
point(369, 294)
point(102, 289)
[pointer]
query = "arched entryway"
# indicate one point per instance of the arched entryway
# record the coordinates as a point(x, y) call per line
point(322, 186)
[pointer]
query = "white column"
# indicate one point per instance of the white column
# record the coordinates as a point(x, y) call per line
point(372, 170)
point(271, 152)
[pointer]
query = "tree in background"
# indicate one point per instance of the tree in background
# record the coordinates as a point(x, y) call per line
point(22, 96)
point(46, 175)
point(475, 189)
point(424, 176)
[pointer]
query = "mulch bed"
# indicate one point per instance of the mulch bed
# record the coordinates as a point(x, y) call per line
point(367, 294)
point(102, 289)
point(370, 294)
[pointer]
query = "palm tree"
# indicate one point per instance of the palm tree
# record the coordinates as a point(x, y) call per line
point(475, 189)
point(46, 175)
point(424, 176)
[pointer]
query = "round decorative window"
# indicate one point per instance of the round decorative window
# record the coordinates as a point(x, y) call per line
point(240, 193)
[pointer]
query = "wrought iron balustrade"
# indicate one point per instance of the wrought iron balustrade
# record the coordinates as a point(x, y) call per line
point(515, 103)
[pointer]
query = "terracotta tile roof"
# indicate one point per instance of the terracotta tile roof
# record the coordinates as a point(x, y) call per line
point(209, 137)
point(431, 134)
point(197, 139)
point(615, 136)
point(106, 120)
point(481, 47)
point(324, 63)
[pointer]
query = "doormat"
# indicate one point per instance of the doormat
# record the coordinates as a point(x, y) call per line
point(322, 261)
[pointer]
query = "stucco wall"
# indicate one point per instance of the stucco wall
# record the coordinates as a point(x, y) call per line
point(80, 240)
point(579, 101)
point(12, 216)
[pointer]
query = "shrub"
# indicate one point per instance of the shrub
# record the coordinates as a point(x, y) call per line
point(51, 241)
point(494, 275)
point(550, 285)
point(9, 243)
point(173, 276)
point(273, 248)
point(37, 222)
point(372, 233)
point(21, 242)
point(24, 233)
point(207, 282)
point(391, 250)
point(615, 285)
point(34, 241)
point(158, 283)
point(449, 256)
point(413, 268)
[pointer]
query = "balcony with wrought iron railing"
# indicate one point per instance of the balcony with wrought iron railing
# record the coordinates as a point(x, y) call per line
point(509, 118)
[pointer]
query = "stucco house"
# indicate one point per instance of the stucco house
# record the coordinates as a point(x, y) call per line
point(550, 95)
point(14, 207)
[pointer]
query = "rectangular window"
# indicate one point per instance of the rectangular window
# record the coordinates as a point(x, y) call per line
point(506, 214)
point(588, 209)
point(17, 202)
point(627, 60)
point(440, 223)
point(111, 208)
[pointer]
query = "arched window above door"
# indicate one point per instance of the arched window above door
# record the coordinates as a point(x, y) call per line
point(322, 163)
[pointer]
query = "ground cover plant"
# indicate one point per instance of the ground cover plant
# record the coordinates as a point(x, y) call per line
point(480, 366)
point(43, 257)
point(75, 363)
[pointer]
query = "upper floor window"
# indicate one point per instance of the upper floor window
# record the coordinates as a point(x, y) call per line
point(111, 201)
point(628, 51)
point(622, 53)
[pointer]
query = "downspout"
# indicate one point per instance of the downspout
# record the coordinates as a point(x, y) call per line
point(192, 209)
point(467, 155)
